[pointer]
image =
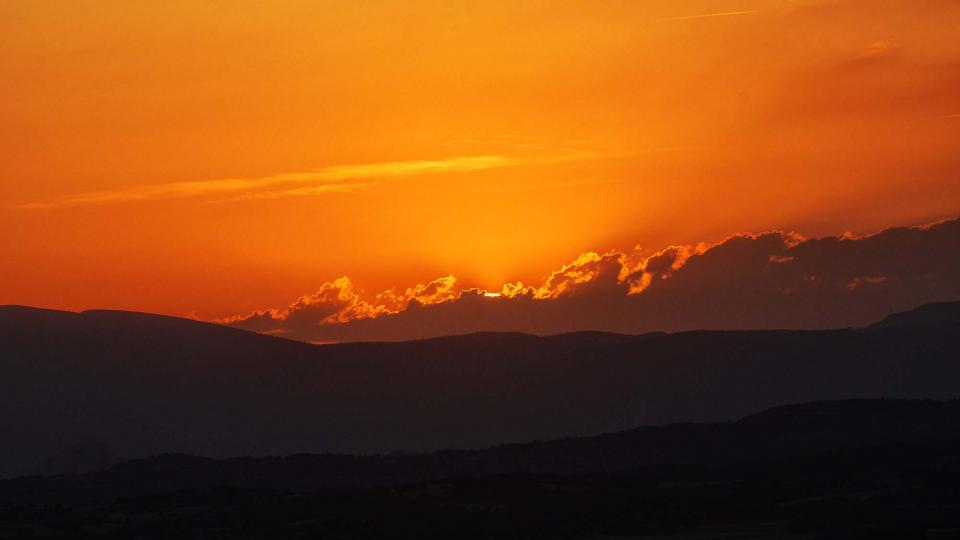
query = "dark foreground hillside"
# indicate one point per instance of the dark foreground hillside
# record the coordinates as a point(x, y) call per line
point(790, 431)
point(859, 469)
point(83, 391)
point(895, 491)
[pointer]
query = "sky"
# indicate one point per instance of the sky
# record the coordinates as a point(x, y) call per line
point(217, 160)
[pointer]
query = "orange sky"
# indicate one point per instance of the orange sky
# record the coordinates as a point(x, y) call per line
point(215, 158)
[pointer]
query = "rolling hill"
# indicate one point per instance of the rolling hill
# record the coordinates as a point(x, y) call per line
point(81, 391)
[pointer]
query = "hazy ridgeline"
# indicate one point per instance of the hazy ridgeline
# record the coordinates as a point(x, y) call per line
point(82, 390)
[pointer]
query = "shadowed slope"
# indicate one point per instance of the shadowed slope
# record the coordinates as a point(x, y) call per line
point(791, 431)
point(135, 385)
point(941, 313)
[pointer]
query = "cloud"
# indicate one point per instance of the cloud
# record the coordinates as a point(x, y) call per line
point(767, 280)
point(334, 302)
point(324, 180)
point(879, 49)
point(337, 302)
point(587, 271)
point(301, 191)
point(710, 15)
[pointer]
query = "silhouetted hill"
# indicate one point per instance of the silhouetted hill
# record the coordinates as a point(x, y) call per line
point(897, 490)
point(80, 390)
point(791, 431)
point(946, 313)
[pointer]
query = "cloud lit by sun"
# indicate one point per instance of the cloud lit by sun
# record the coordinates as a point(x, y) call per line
point(236, 159)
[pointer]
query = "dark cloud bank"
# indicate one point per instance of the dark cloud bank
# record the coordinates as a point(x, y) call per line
point(765, 281)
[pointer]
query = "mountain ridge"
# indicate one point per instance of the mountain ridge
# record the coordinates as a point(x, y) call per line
point(138, 385)
point(793, 431)
point(926, 314)
point(935, 313)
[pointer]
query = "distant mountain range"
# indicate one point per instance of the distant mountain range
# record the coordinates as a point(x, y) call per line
point(794, 431)
point(81, 391)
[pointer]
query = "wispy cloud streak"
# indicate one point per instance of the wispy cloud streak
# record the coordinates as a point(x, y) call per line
point(324, 180)
point(274, 194)
point(709, 15)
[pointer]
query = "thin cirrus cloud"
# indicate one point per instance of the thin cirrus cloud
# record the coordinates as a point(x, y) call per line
point(710, 15)
point(339, 178)
point(300, 191)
